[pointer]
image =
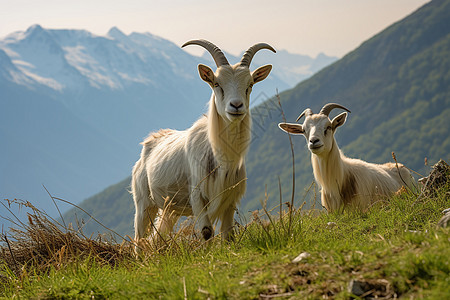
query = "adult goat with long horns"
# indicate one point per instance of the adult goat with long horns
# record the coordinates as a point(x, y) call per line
point(200, 171)
point(345, 182)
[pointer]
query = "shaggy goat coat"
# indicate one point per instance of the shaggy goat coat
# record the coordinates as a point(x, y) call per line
point(344, 182)
point(354, 182)
point(200, 171)
point(204, 161)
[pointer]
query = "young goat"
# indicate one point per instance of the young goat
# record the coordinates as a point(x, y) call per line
point(200, 171)
point(344, 181)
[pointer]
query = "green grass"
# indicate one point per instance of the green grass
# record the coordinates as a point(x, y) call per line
point(395, 246)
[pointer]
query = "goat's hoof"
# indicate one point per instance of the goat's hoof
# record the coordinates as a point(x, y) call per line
point(207, 232)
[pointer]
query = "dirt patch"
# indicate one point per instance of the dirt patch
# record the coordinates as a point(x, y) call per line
point(319, 279)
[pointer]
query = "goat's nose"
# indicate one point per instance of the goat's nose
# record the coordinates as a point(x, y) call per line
point(236, 104)
point(314, 141)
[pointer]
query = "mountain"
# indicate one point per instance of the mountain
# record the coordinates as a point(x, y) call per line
point(397, 85)
point(75, 107)
point(294, 68)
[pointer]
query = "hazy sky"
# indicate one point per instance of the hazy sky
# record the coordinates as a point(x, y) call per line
point(334, 27)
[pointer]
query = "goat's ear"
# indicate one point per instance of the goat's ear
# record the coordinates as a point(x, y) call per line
point(292, 128)
point(261, 73)
point(206, 74)
point(339, 120)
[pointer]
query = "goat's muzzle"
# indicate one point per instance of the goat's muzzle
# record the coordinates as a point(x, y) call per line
point(236, 109)
point(315, 144)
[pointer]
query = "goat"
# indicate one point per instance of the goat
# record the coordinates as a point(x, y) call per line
point(345, 182)
point(200, 171)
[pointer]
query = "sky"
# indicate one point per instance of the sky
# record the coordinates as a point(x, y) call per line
point(333, 27)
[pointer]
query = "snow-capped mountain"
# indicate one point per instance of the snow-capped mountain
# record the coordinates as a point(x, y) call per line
point(74, 105)
point(66, 60)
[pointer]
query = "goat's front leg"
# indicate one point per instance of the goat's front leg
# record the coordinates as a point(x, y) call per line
point(227, 224)
point(200, 210)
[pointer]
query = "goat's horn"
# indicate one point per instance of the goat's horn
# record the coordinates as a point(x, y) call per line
point(306, 112)
point(248, 55)
point(329, 107)
point(216, 53)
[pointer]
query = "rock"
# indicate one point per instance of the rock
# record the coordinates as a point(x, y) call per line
point(445, 220)
point(371, 288)
point(357, 287)
point(439, 176)
point(331, 225)
point(301, 256)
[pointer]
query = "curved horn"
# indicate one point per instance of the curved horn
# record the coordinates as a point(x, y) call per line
point(306, 112)
point(248, 55)
point(215, 52)
point(329, 107)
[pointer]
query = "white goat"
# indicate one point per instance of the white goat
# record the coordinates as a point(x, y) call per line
point(344, 181)
point(200, 171)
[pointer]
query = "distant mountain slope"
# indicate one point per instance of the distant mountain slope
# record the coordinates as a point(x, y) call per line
point(74, 106)
point(294, 68)
point(113, 207)
point(397, 85)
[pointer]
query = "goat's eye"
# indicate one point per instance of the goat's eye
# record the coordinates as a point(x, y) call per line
point(216, 85)
point(328, 128)
point(247, 91)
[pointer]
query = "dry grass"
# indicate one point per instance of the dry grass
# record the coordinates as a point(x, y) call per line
point(41, 244)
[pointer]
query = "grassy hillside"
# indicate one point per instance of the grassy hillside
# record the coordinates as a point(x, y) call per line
point(397, 85)
point(392, 250)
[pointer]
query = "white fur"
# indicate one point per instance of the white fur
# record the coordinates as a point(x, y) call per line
point(199, 171)
point(345, 182)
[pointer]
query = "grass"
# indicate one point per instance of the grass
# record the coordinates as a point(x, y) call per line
point(394, 248)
